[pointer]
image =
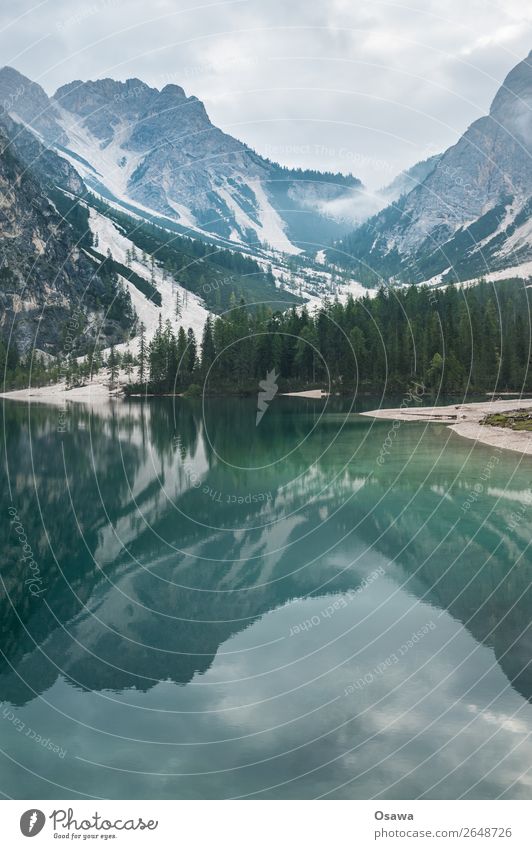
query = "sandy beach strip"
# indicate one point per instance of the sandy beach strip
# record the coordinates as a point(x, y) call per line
point(95, 392)
point(464, 419)
point(306, 393)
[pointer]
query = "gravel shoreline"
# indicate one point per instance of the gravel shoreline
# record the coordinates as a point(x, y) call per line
point(464, 419)
point(95, 392)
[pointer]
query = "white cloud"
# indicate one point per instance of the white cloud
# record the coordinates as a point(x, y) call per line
point(501, 36)
point(384, 82)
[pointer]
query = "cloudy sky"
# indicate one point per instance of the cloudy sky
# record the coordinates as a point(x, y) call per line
point(350, 85)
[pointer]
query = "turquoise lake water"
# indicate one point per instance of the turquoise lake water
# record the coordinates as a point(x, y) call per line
point(213, 609)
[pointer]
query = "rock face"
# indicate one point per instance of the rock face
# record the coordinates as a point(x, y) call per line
point(46, 280)
point(159, 151)
point(43, 162)
point(471, 214)
point(29, 104)
point(103, 105)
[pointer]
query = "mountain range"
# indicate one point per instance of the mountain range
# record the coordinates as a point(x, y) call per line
point(157, 152)
point(82, 166)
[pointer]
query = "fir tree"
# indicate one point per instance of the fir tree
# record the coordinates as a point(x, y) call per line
point(207, 347)
point(181, 357)
point(191, 356)
point(469, 340)
point(142, 352)
point(127, 363)
point(112, 366)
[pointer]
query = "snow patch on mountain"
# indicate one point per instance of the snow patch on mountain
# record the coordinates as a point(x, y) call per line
point(112, 164)
point(193, 312)
point(521, 237)
point(272, 229)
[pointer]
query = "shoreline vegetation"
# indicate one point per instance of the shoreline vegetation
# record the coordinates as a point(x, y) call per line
point(516, 420)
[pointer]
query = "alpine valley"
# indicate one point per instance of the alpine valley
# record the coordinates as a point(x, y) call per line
point(119, 200)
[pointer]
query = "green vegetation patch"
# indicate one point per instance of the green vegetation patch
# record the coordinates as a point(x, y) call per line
point(513, 419)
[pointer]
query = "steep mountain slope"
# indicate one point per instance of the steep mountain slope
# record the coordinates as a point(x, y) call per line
point(471, 215)
point(409, 179)
point(171, 272)
point(48, 286)
point(50, 169)
point(159, 151)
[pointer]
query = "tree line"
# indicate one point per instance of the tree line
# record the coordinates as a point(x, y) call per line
point(474, 339)
point(453, 340)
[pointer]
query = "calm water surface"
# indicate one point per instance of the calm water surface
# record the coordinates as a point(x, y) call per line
point(227, 610)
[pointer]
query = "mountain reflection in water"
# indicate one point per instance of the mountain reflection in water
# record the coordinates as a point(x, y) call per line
point(207, 627)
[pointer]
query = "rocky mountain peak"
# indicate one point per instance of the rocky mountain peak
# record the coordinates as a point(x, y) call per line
point(174, 91)
point(27, 102)
point(512, 105)
point(516, 85)
point(104, 104)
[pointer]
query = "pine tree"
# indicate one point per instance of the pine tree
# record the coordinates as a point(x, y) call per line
point(127, 362)
point(181, 357)
point(112, 366)
point(208, 352)
point(474, 339)
point(170, 351)
point(96, 360)
point(142, 352)
point(157, 358)
point(306, 353)
point(191, 356)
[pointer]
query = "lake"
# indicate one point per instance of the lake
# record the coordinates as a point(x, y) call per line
point(196, 606)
